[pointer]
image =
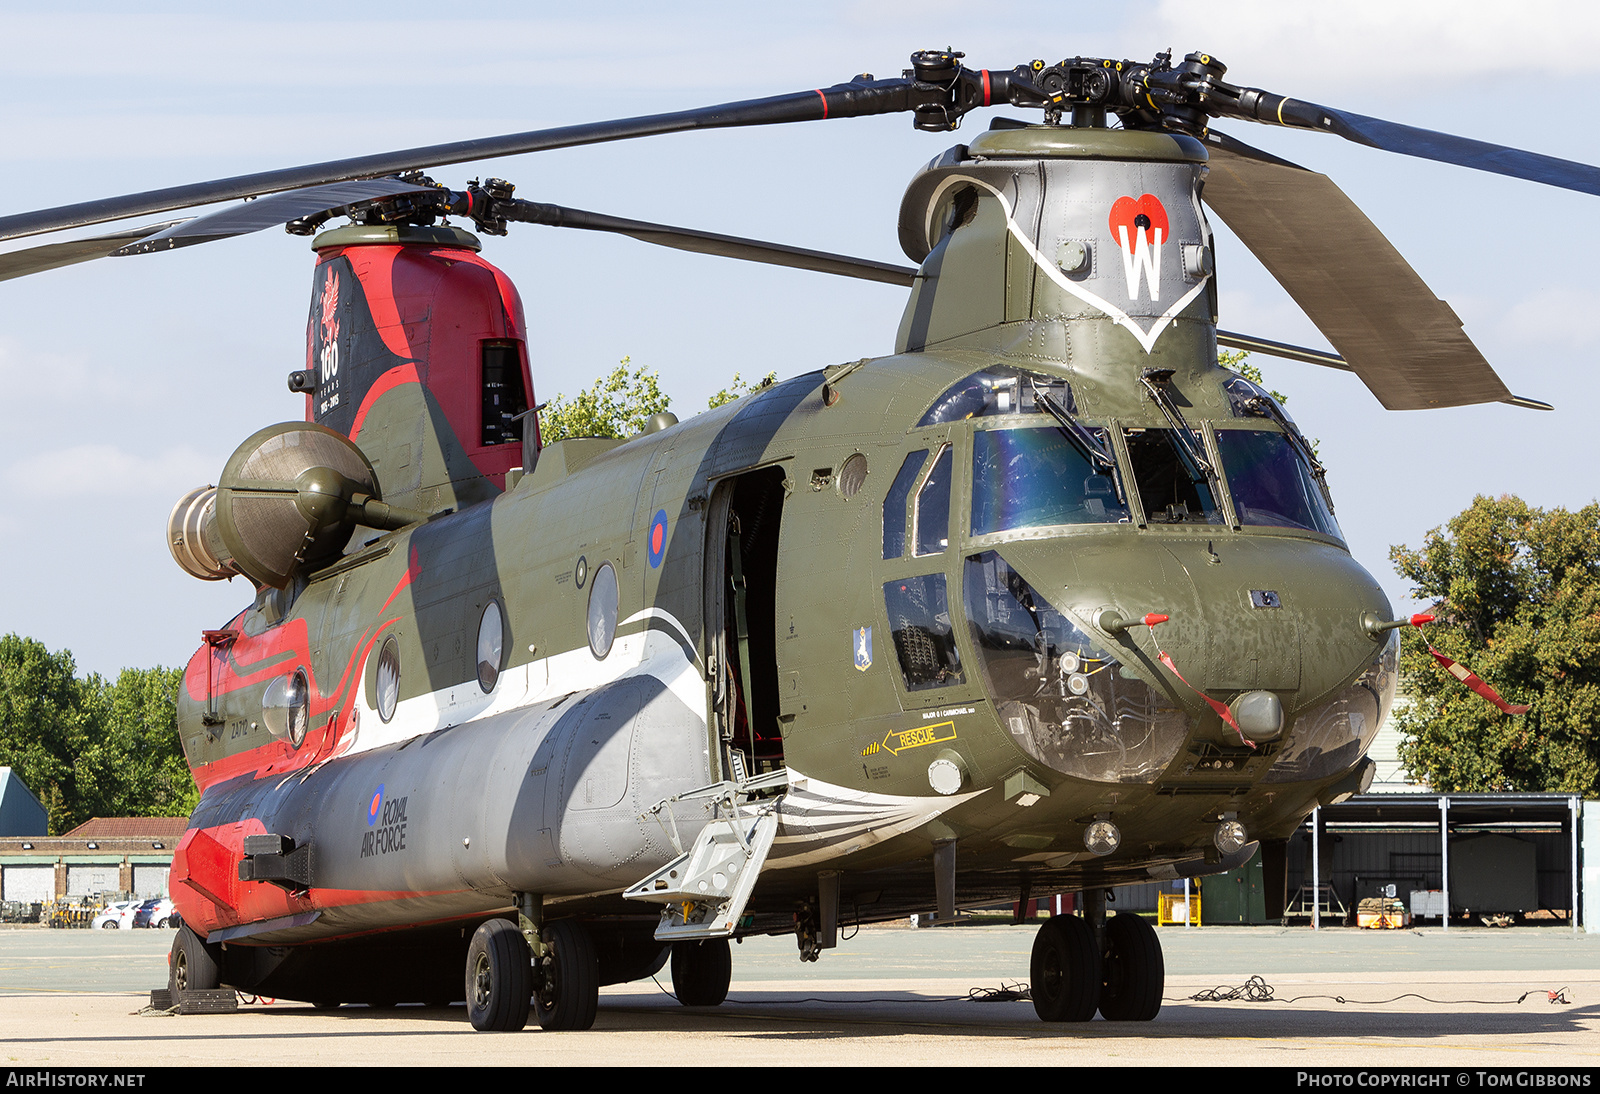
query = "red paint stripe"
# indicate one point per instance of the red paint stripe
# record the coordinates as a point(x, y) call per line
point(824, 99)
point(209, 894)
point(985, 87)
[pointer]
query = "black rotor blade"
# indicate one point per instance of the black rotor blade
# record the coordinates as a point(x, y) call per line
point(713, 243)
point(1405, 343)
point(271, 212)
point(1288, 351)
point(55, 255)
point(841, 100)
point(1409, 140)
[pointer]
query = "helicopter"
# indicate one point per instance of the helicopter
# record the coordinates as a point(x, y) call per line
point(1044, 601)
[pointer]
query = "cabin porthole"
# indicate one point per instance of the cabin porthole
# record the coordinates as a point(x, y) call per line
point(491, 645)
point(286, 708)
point(386, 684)
point(602, 610)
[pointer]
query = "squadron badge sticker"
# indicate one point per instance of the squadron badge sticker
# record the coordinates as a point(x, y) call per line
point(861, 639)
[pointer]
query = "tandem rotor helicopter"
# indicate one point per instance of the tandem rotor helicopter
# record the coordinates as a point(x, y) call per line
point(1045, 601)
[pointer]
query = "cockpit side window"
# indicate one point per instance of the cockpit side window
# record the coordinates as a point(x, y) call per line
point(894, 505)
point(924, 637)
point(933, 507)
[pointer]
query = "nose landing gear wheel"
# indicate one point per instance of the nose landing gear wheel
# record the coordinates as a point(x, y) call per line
point(1135, 973)
point(1065, 971)
point(499, 971)
point(701, 972)
point(569, 992)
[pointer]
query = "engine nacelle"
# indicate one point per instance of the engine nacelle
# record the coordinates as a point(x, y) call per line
point(288, 500)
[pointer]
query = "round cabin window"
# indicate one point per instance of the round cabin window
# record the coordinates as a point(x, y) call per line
point(387, 681)
point(286, 708)
point(491, 645)
point(602, 610)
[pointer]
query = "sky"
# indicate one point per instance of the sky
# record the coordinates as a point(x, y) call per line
point(124, 383)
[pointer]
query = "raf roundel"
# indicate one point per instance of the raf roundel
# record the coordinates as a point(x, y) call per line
point(658, 538)
point(375, 806)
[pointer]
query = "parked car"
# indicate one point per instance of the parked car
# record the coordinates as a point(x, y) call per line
point(111, 917)
point(156, 913)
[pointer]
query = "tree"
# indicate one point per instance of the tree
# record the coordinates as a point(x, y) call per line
point(739, 389)
point(133, 765)
point(616, 406)
point(90, 748)
point(620, 404)
point(1517, 594)
point(42, 724)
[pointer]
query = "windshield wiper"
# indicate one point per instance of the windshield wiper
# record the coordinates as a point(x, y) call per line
point(1267, 407)
point(1087, 444)
point(1082, 439)
point(1154, 380)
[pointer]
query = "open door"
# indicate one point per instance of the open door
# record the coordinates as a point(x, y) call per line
point(741, 614)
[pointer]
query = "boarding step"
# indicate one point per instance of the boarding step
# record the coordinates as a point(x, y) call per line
point(704, 890)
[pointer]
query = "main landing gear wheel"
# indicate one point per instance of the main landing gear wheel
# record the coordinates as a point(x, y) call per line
point(499, 980)
point(1065, 970)
point(569, 992)
point(194, 965)
point(1134, 973)
point(701, 972)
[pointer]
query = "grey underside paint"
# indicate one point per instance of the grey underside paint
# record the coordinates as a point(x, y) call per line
point(556, 794)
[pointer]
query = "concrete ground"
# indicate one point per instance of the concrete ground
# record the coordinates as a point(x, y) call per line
point(889, 996)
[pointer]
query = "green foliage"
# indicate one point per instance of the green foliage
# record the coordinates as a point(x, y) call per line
point(616, 406)
point(1236, 359)
point(90, 748)
point(1517, 593)
point(620, 404)
point(738, 389)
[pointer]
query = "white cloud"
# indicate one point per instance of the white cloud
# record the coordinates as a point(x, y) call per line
point(1329, 48)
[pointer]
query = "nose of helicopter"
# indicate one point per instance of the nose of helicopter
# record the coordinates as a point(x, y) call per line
point(1276, 614)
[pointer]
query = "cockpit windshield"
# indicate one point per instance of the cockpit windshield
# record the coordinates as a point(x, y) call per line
point(1271, 484)
point(1173, 488)
point(1031, 478)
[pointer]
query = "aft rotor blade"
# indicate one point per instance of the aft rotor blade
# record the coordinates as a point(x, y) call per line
point(1405, 343)
point(713, 243)
point(1254, 344)
point(271, 212)
point(841, 100)
point(55, 255)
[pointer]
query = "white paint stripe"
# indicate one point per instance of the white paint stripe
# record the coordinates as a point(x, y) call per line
point(649, 653)
point(1147, 339)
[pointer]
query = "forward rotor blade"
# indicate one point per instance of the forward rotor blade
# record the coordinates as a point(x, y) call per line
point(1405, 343)
point(271, 212)
point(1254, 344)
point(1408, 140)
point(55, 255)
point(841, 100)
point(712, 243)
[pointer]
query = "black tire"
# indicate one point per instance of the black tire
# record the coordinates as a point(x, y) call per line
point(326, 1004)
point(1065, 970)
point(109, 925)
point(499, 980)
point(194, 964)
point(570, 993)
point(701, 972)
point(1134, 974)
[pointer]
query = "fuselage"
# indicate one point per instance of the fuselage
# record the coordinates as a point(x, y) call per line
point(904, 582)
